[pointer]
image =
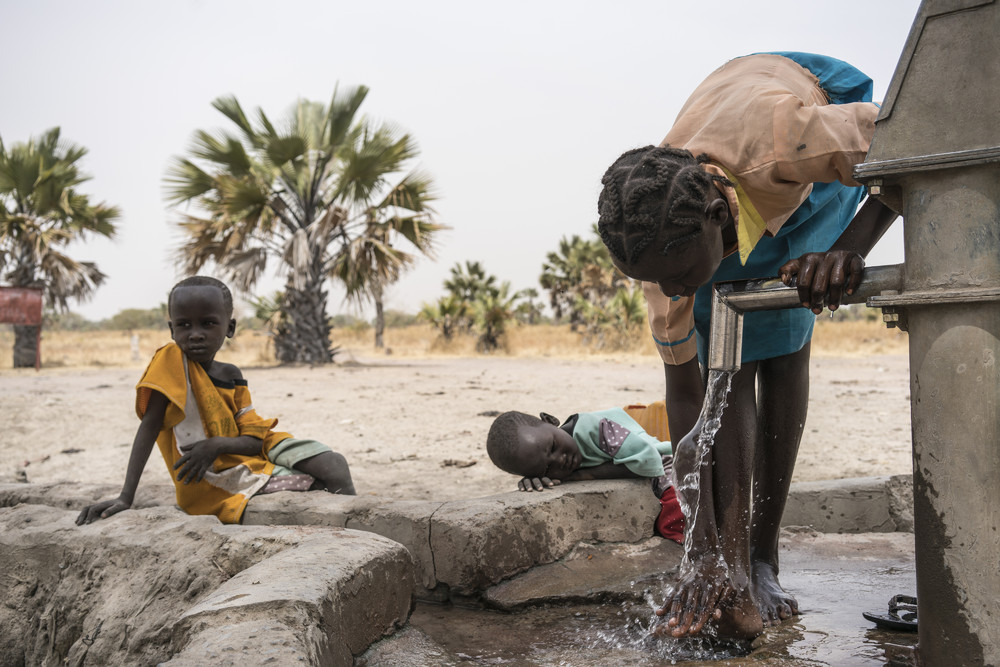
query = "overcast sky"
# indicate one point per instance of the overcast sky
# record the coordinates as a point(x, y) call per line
point(518, 107)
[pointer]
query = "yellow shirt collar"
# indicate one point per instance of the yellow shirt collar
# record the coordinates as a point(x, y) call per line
point(750, 226)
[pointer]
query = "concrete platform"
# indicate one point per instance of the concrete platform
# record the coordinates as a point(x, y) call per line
point(577, 543)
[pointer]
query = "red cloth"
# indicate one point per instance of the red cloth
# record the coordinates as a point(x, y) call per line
point(670, 523)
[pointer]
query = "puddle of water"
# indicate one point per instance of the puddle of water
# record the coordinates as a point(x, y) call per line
point(833, 584)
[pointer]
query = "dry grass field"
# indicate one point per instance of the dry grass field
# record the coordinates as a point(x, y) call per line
point(113, 349)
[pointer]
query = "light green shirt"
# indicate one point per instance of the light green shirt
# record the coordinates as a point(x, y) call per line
point(639, 451)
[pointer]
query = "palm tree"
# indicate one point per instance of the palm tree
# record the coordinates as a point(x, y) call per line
point(302, 195)
point(41, 212)
point(528, 311)
point(613, 324)
point(468, 284)
point(388, 213)
point(447, 314)
point(469, 281)
point(494, 310)
point(579, 270)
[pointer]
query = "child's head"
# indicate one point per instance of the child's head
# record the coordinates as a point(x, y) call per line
point(201, 316)
point(656, 210)
point(531, 447)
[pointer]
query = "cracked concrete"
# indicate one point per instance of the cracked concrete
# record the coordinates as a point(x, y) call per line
point(463, 546)
point(156, 585)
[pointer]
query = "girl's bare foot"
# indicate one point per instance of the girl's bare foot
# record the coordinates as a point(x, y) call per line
point(740, 619)
point(773, 602)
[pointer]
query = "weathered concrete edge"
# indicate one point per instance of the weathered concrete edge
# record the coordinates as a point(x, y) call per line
point(469, 545)
point(336, 598)
point(855, 505)
point(477, 543)
point(461, 547)
point(325, 596)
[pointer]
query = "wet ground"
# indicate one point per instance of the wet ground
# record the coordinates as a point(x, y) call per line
point(834, 577)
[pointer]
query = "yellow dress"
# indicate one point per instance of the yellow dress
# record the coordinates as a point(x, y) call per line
point(200, 407)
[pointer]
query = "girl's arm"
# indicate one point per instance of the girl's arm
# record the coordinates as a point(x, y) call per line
point(142, 445)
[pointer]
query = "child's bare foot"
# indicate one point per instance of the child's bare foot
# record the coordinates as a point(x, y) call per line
point(773, 602)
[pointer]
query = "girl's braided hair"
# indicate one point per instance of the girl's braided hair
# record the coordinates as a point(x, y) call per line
point(649, 190)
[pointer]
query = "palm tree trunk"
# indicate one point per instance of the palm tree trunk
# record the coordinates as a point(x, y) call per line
point(305, 336)
point(379, 319)
point(25, 345)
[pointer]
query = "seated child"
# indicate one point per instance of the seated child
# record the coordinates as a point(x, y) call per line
point(198, 410)
point(607, 444)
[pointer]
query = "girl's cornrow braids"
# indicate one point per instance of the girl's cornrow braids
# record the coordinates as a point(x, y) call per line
point(649, 190)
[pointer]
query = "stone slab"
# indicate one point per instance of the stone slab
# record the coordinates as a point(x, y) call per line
point(75, 495)
point(857, 505)
point(404, 521)
point(592, 573)
point(152, 585)
point(477, 543)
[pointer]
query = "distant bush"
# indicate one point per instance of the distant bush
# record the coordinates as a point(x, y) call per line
point(54, 321)
point(137, 318)
point(350, 322)
point(397, 318)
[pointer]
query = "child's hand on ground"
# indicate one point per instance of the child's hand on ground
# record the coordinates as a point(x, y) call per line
point(536, 483)
point(101, 510)
point(197, 460)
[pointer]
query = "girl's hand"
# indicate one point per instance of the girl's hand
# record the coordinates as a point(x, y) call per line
point(536, 483)
point(824, 277)
point(197, 460)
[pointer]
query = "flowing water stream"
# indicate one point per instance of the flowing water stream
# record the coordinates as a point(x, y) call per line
point(688, 484)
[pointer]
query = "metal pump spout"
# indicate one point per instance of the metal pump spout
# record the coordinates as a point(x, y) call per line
point(731, 299)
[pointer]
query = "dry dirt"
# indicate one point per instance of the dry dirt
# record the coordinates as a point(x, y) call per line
point(416, 429)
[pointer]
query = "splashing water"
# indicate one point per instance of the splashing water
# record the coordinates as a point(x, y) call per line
point(688, 485)
point(633, 636)
point(710, 419)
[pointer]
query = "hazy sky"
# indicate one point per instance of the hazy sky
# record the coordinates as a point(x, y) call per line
point(518, 107)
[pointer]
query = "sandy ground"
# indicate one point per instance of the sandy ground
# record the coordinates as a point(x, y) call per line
point(416, 429)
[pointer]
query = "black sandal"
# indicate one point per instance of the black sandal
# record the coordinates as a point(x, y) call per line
point(902, 615)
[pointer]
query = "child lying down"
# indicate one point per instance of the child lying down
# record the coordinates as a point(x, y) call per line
point(607, 444)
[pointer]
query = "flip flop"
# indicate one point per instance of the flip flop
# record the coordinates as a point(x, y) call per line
point(902, 615)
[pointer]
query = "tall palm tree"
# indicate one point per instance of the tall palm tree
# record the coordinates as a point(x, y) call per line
point(301, 194)
point(41, 212)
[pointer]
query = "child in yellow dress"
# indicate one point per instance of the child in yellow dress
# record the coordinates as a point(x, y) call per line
point(218, 450)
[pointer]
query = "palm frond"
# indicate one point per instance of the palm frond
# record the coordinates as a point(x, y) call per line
point(230, 107)
point(340, 114)
point(186, 181)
